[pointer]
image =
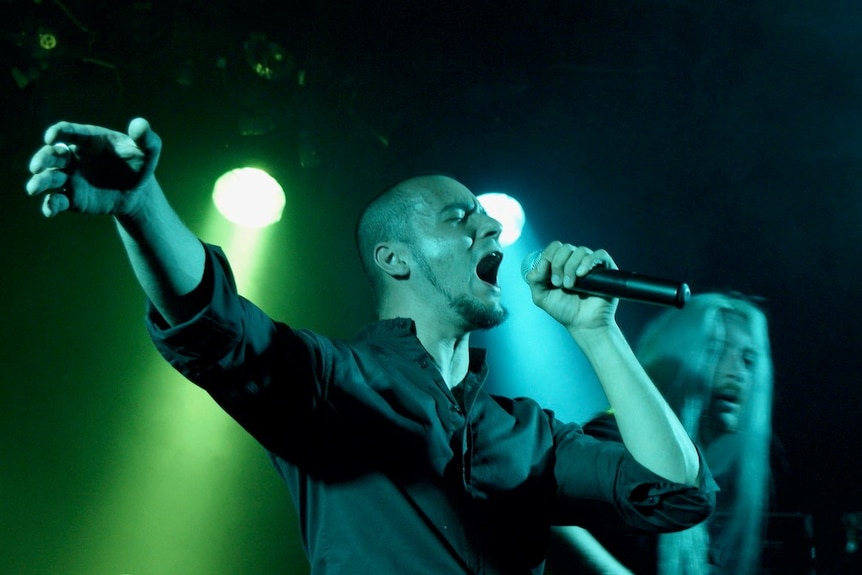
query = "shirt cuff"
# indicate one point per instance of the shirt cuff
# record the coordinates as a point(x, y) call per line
point(194, 345)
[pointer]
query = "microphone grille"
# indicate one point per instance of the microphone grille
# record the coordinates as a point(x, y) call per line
point(530, 262)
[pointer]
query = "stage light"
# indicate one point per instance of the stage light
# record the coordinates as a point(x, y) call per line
point(506, 210)
point(249, 197)
point(47, 40)
point(268, 59)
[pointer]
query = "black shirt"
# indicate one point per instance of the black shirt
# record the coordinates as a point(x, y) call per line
point(392, 472)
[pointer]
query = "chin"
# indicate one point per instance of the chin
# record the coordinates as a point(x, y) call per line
point(728, 423)
point(492, 320)
point(481, 317)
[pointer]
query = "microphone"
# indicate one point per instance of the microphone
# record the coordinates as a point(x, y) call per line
point(632, 286)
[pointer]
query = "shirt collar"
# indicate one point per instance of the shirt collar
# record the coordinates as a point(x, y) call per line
point(401, 333)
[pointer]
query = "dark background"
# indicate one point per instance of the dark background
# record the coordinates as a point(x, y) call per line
point(719, 143)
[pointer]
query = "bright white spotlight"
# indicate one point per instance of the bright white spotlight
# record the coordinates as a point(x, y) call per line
point(249, 197)
point(506, 210)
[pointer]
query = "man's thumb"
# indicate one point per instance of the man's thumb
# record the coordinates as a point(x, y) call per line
point(147, 140)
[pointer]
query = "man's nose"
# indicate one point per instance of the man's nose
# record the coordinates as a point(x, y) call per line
point(731, 362)
point(736, 369)
point(489, 227)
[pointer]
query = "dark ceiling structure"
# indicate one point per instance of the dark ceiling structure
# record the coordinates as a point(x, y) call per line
point(719, 143)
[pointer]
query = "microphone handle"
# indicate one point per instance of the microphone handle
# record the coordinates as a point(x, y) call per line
point(605, 282)
point(632, 286)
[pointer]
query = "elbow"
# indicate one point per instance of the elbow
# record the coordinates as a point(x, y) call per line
point(692, 473)
point(687, 468)
point(691, 468)
point(677, 509)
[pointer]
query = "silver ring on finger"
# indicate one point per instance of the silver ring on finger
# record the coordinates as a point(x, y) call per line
point(65, 152)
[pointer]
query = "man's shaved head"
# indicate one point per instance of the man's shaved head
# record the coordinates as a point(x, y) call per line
point(387, 217)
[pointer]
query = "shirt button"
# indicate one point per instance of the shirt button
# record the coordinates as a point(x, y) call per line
point(423, 363)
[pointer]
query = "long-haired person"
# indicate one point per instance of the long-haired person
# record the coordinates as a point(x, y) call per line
point(712, 362)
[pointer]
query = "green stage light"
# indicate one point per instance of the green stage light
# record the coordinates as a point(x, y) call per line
point(249, 197)
point(506, 210)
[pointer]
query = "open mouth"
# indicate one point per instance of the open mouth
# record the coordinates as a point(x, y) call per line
point(728, 398)
point(488, 267)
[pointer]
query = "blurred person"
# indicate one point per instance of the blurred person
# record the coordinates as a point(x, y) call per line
point(712, 362)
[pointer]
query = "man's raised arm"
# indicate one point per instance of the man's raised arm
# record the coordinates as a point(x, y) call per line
point(94, 170)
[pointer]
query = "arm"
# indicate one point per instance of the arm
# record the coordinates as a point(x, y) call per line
point(649, 428)
point(93, 170)
point(590, 555)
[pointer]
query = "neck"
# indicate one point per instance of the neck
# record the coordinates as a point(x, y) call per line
point(439, 333)
point(451, 354)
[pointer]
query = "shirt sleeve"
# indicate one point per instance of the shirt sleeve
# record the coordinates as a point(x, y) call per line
point(600, 485)
point(250, 364)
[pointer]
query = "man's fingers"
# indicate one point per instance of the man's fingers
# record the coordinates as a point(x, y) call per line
point(603, 258)
point(138, 129)
point(48, 157)
point(53, 204)
point(146, 139)
point(61, 132)
point(568, 262)
point(46, 180)
point(539, 269)
point(565, 263)
point(72, 133)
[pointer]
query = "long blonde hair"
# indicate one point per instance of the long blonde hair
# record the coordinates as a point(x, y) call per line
point(677, 350)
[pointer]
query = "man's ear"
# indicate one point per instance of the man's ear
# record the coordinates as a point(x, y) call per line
point(390, 257)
